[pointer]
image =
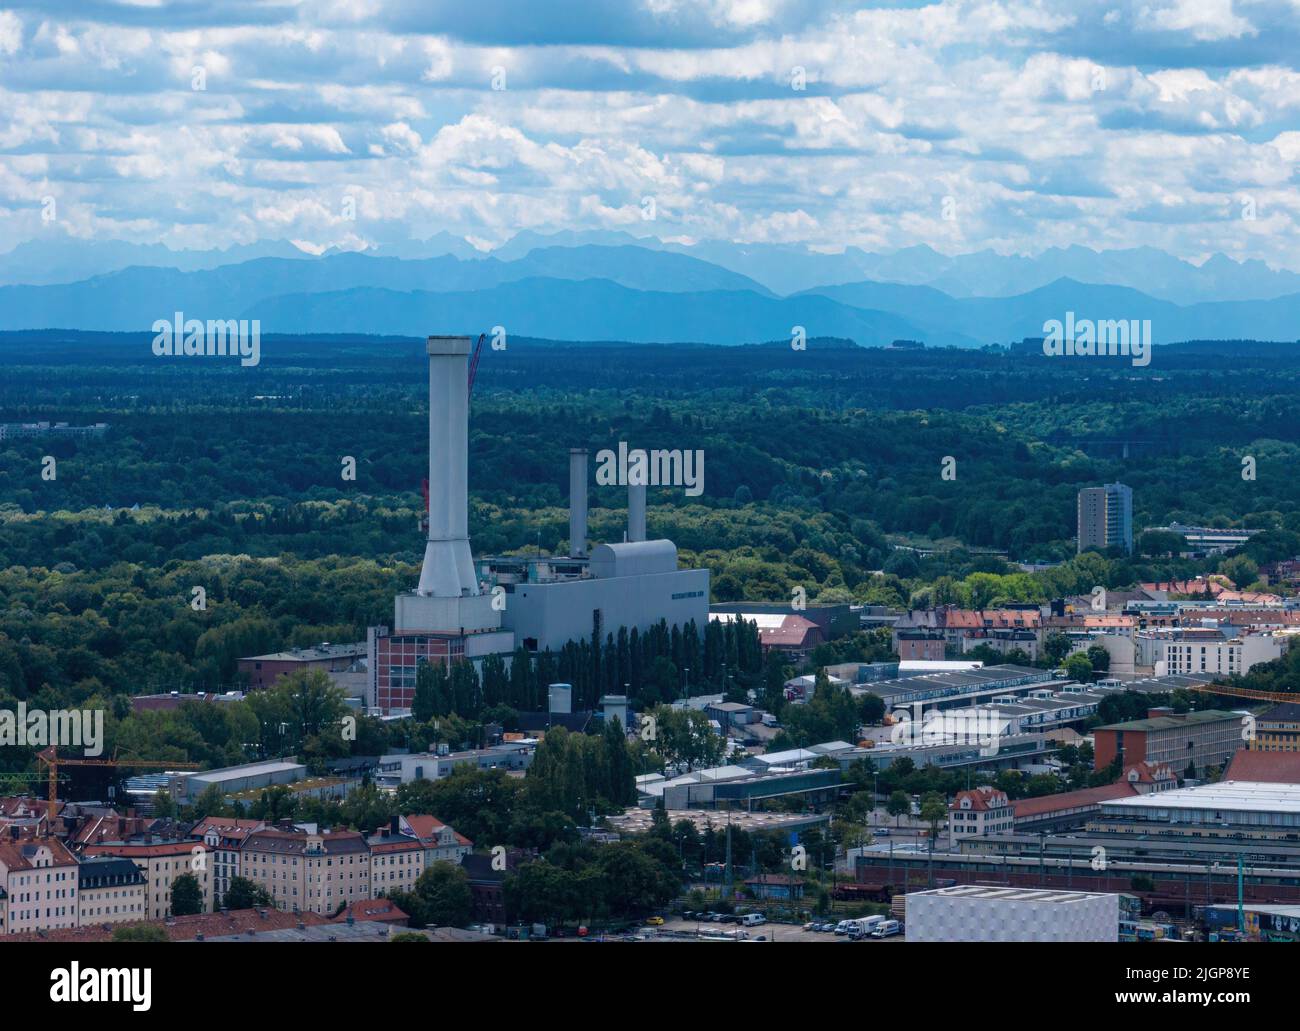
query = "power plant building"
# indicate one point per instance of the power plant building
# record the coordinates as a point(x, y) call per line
point(467, 610)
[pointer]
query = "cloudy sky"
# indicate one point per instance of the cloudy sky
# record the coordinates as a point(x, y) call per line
point(964, 124)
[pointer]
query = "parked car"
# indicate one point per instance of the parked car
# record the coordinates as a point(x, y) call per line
point(656, 921)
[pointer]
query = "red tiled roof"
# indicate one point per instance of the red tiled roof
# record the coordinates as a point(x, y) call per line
point(1146, 772)
point(971, 619)
point(1044, 804)
point(225, 823)
point(981, 798)
point(401, 843)
point(185, 928)
point(17, 855)
point(181, 846)
point(423, 826)
point(426, 828)
point(793, 631)
point(1215, 585)
point(1264, 767)
point(1249, 597)
point(381, 910)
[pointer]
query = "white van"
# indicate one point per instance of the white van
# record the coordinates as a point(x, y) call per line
point(843, 926)
point(753, 919)
point(886, 928)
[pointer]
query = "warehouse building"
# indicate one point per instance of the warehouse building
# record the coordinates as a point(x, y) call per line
point(1244, 805)
point(975, 913)
point(231, 780)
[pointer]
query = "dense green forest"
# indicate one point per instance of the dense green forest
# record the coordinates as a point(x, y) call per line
point(822, 469)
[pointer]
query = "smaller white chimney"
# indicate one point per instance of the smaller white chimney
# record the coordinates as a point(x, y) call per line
point(636, 511)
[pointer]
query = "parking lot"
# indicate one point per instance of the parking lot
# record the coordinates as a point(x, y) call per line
point(678, 928)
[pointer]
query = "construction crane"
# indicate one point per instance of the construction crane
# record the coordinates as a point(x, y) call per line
point(50, 757)
point(21, 780)
point(1244, 692)
point(473, 362)
point(473, 371)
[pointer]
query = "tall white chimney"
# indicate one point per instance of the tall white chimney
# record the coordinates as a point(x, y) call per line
point(448, 570)
point(636, 511)
point(577, 502)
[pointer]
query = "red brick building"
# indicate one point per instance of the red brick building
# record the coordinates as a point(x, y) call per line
point(264, 670)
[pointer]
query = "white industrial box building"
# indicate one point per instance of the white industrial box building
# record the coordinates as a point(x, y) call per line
point(976, 913)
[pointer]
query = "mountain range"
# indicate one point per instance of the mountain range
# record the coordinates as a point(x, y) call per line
point(602, 286)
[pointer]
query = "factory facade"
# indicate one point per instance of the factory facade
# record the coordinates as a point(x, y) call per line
point(462, 610)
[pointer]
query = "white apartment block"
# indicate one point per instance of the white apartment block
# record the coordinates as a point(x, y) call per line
point(1191, 651)
point(112, 891)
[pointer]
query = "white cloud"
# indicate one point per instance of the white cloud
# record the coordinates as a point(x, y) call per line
point(997, 103)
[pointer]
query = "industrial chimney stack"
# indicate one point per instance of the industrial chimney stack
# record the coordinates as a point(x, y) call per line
point(577, 502)
point(448, 570)
point(636, 511)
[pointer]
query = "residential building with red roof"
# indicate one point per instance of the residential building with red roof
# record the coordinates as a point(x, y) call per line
point(441, 842)
point(162, 860)
point(977, 812)
point(396, 859)
point(224, 838)
point(312, 871)
point(1148, 778)
point(38, 884)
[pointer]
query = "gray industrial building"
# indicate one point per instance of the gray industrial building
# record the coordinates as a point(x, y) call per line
point(403, 768)
point(632, 584)
point(186, 787)
point(989, 913)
